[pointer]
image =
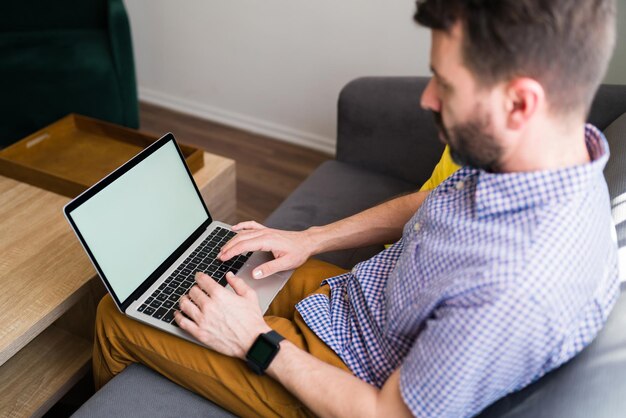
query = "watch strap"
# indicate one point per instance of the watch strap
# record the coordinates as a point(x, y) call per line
point(274, 337)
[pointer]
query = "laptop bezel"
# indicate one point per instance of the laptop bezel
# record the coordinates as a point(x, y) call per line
point(116, 174)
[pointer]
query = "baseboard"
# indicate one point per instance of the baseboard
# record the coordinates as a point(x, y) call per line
point(238, 121)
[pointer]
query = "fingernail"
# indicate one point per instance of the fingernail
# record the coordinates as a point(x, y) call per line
point(257, 274)
point(229, 274)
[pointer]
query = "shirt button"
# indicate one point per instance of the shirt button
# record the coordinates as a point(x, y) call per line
point(346, 298)
point(459, 185)
point(417, 227)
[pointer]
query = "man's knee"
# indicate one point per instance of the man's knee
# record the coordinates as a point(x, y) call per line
point(105, 307)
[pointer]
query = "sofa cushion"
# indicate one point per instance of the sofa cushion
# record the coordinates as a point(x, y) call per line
point(336, 190)
point(139, 392)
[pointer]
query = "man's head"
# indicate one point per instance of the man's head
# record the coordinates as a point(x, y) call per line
point(498, 64)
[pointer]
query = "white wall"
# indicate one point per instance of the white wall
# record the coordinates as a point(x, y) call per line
point(276, 66)
point(270, 66)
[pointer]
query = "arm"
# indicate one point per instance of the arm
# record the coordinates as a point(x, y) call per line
point(337, 393)
point(230, 322)
point(380, 224)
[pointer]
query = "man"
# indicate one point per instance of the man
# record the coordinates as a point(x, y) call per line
point(502, 273)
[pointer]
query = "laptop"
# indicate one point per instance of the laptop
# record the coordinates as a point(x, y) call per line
point(147, 231)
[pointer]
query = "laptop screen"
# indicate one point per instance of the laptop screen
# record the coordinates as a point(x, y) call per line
point(133, 224)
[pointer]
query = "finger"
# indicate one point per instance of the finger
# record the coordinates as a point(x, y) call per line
point(247, 225)
point(190, 309)
point(238, 284)
point(233, 247)
point(186, 324)
point(271, 267)
point(207, 284)
point(198, 297)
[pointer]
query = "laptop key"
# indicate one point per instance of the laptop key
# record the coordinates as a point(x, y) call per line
point(174, 297)
point(148, 311)
point(203, 266)
point(168, 290)
point(159, 313)
point(211, 268)
point(161, 297)
point(180, 291)
point(169, 316)
point(186, 272)
point(142, 307)
point(155, 303)
point(168, 304)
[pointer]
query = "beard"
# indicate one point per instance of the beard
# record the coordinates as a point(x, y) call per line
point(471, 144)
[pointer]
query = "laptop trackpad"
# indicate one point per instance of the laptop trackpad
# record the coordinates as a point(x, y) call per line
point(268, 287)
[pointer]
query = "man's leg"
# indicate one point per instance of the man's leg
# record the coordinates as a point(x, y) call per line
point(305, 280)
point(224, 380)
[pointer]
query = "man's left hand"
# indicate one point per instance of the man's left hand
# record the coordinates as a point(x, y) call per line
point(225, 321)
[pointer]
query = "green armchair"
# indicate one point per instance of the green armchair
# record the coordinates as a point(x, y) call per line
point(65, 56)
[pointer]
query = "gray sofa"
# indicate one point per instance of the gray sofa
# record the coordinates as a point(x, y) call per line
point(387, 145)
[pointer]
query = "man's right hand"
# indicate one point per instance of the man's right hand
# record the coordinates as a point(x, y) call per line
point(290, 248)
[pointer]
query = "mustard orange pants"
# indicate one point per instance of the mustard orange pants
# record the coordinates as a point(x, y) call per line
point(226, 381)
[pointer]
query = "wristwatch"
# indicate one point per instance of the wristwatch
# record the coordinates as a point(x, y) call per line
point(263, 351)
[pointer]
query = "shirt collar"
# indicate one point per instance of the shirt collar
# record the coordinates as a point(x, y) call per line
point(504, 192)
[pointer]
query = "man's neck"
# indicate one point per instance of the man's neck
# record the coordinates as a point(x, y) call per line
point(548, 147)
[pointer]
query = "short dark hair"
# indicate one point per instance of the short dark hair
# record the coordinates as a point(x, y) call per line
point(565, 45)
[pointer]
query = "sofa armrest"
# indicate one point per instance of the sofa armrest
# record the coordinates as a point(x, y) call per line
point(382, 127)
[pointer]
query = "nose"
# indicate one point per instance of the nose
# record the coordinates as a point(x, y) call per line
point(430, 99)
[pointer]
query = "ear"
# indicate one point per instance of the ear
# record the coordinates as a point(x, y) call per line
point(523, 99)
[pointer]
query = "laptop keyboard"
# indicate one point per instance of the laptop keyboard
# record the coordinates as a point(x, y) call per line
point(164, 301)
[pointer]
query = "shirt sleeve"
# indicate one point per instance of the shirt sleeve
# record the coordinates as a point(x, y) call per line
point(444, 169)
point(473, 351)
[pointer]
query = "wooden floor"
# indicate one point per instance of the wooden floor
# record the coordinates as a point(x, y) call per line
point(267, 170)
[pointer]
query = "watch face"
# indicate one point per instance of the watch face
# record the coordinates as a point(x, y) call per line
point(261, 352)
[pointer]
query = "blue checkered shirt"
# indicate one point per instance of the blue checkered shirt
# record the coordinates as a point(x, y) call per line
point(498, 279)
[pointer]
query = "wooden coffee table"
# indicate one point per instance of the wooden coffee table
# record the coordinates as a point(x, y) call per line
point(50, 289)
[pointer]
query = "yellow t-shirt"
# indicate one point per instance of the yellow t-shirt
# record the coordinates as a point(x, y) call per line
point(444, 169)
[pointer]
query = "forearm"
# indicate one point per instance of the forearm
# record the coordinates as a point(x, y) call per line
point(381, 224)
point(326, 390)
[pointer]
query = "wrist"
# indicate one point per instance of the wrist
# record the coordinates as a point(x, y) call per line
point(251, 338)
point(315, 238)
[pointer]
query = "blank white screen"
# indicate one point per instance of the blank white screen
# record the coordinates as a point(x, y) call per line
point(136, 222)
